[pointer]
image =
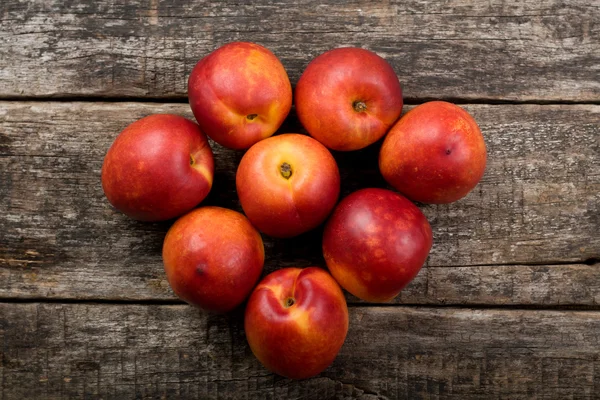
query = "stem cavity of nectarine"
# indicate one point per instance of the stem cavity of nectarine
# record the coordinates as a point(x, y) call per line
point(359, 106)
point(286, 170)
point(289, 302)
point(251, 116)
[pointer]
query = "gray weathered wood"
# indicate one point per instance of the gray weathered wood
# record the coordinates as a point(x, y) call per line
point(539, 203)
point(499, 49)
point(497, 285)
point(509, 285)
point(60, 351)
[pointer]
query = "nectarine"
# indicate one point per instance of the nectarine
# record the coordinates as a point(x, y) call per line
point(287, 184)
point(158, 168)
point(375, 243)
point(348, 98)
point(296, 321)
point(239, 94)
point(213, 257)
point(434, 154)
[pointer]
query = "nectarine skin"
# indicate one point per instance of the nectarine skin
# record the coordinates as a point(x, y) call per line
point(375, 243)
point(287, 184)
point(213, 257)
point(239, 94)
point(296, 321)
point(434, 154)
point(158, 168)
point(348, 98)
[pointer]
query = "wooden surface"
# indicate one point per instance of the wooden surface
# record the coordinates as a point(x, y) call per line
point(508, 305)
point(492, 50)
point(538, 203)
point(138, 351)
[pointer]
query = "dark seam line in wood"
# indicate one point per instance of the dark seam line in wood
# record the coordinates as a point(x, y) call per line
point(544, 263)
point(91, 301)
point(183, 100)
point(478, 306)
point(587, 261)
point(351, 304)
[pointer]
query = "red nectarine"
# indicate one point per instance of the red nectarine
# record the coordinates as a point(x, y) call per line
point(239, 94)
point(296, 321)
point(375, 243)
point(213, 257)
point(158, 168)
point(348, 98)
point(287, 184)
point(434, 154)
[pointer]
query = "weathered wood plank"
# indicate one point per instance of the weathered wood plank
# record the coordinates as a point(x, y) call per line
point(497, 285)
point(539, 203)
point(59, 351)
point(500, 49)
point(547, 285)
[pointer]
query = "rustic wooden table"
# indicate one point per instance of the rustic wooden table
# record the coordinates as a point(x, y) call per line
point(507, 305)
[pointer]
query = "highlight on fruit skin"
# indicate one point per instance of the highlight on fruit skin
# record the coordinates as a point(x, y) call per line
point(213, 258)
point(159, 167)
point(375, 243)
point(435, 153)
point(296, 321)
point(348, 98)
point(239, 94)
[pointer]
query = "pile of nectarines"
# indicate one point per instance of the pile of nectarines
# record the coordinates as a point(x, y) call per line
point(375, 241)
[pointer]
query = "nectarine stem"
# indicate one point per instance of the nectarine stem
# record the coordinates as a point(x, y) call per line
point(289, 302)
point(286, 170)
point(359, 106)
point(251, 116)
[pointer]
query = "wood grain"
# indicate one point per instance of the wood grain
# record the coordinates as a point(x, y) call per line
point(60, 351)
point(539, 203)
point(495, 50)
